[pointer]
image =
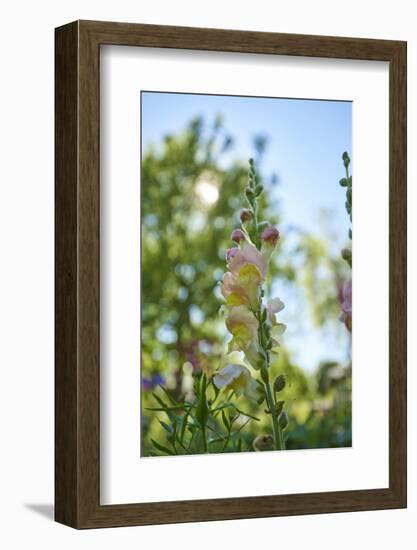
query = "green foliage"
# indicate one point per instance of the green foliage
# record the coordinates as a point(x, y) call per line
point(326, 421)
point(199, 425)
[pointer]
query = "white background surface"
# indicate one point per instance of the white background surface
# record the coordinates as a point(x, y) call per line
point(125, 477)
point(26, 290)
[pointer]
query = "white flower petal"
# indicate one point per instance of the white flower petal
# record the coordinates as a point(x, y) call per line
point(275, 306)
point(278, 329)
point(235, 377)
point(235, 357)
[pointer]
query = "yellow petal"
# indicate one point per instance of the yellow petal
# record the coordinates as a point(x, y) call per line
point(249, 273)
point(235, 299)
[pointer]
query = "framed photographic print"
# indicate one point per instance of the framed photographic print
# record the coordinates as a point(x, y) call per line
point(230, 274)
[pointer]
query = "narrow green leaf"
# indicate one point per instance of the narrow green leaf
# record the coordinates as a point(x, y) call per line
point(201, 413)
point(216, 390)
point(167, 408)
point(225, 421)
point(166, 392)
point(162, 448)
point(165, 426)
point(247, 414)
point(217, 440)
point(159, 400)
point(184, 425)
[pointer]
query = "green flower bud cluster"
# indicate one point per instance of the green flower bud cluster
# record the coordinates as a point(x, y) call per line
point(249, 216)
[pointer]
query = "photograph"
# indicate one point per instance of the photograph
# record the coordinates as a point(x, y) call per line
point(246, 274)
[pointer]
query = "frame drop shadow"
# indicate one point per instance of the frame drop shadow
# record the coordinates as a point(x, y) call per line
point(45, 510)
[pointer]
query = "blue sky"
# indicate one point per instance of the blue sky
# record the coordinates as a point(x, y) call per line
point(306, 139)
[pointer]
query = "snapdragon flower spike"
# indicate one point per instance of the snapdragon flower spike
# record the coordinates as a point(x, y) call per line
point(253, 326)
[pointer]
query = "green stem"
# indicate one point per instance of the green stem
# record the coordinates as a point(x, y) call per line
point(278, 443)
point(204, 438)
point(269, 395)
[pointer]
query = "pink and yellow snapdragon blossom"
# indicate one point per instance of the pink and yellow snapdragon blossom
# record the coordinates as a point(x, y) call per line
point(254, 326)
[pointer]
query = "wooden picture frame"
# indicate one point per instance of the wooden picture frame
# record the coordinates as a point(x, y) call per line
point(77, 374)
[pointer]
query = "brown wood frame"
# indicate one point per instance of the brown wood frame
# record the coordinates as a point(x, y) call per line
point(77, 359)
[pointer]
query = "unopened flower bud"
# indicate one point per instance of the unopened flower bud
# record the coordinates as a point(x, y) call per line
point(262, 442)
point(231, 253)
point(249, 193)
point(245, 215)
point(270, 235)
point(237, 236)
point(346, 254)
point(283, 420)
point(279, 383)
point(258, 190)
point(279, 407)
